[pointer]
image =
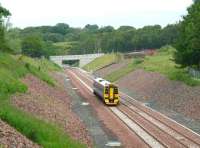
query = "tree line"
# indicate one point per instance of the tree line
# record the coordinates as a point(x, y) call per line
point(63, 39)
point(188, 42)
point(93, 39)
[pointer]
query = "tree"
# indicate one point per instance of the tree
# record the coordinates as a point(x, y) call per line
point(4, 13)
point(33, 46)
point(13, 40)
point(54, 37)
point(169, 34)
point(61, 28)
point(125, 28)
point(91, 28)
point(188, 43)
point(107, 29)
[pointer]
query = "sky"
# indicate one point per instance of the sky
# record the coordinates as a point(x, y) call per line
point(78, 13)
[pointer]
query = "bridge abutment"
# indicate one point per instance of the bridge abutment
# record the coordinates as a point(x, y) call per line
point(83, 59)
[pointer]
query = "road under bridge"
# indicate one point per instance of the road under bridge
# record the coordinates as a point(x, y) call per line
point(77, 60)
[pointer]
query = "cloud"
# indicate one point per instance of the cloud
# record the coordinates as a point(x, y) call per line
point(81, 12)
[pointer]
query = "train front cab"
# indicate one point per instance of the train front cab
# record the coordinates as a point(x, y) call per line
point(111, 95)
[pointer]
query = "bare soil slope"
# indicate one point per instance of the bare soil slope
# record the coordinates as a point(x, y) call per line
point(167, 94)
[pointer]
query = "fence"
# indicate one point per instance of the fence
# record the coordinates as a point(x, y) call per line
point(193, 72)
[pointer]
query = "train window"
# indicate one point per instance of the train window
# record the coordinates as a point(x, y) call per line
point(116, 91)
point(106, 90)
point(100, 80)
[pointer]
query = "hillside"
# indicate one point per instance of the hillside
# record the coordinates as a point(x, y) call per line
point(162, 63)
point(173, 98)
point(159, 83)
point(101, 62)
point(12, 72)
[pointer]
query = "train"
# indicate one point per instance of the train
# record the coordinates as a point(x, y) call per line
point(107, 91)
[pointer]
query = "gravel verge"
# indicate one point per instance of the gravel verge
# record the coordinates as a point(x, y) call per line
point(52, 104)
point(87, 114)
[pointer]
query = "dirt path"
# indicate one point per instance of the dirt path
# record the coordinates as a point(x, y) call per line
point(10, 138)
point(52, 104)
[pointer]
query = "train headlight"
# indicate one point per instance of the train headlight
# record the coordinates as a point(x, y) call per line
point(106, 100)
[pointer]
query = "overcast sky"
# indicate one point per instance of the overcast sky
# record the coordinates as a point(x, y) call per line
point(78, 13)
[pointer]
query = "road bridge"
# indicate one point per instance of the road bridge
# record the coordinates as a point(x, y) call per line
point(80, 59)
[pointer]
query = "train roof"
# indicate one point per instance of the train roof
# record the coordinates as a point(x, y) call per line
point(102, 81)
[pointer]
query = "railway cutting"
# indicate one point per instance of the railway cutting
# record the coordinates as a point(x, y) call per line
point(151, 128)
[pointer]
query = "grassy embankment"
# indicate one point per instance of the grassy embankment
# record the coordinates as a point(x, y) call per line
point(161, 62)
point(13, 68)
point(102, 61)
point(63, 47)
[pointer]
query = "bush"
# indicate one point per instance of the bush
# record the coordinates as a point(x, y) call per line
point(168, 49)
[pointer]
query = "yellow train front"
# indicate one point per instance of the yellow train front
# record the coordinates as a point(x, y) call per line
point(106, 91)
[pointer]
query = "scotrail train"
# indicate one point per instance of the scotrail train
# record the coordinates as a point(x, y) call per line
point(106, 91)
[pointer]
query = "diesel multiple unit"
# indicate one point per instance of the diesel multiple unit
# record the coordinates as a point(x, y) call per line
point(106, 91)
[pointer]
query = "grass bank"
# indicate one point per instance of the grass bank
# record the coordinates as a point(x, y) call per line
point(63, 47)
point(162, 63)
point(12, 68)
point(102, 61)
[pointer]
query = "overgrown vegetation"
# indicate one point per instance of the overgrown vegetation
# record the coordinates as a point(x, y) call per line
point(162, 63)
point(63, 39)
point(12, 69)
point(92, 39)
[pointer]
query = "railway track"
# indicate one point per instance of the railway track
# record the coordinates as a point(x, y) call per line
point(153, 128)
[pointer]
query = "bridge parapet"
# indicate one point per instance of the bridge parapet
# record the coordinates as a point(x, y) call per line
point(83, 59)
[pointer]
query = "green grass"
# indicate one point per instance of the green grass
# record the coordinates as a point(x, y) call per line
point(161, 63)
point(100, 62)
point(63, 47)
point(41, 132)
point(12, 68)
point(43, 64)
point(164, 64)
point(114, 76)
point(40, 68)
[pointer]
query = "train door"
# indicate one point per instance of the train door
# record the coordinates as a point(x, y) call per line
point(111, 93)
